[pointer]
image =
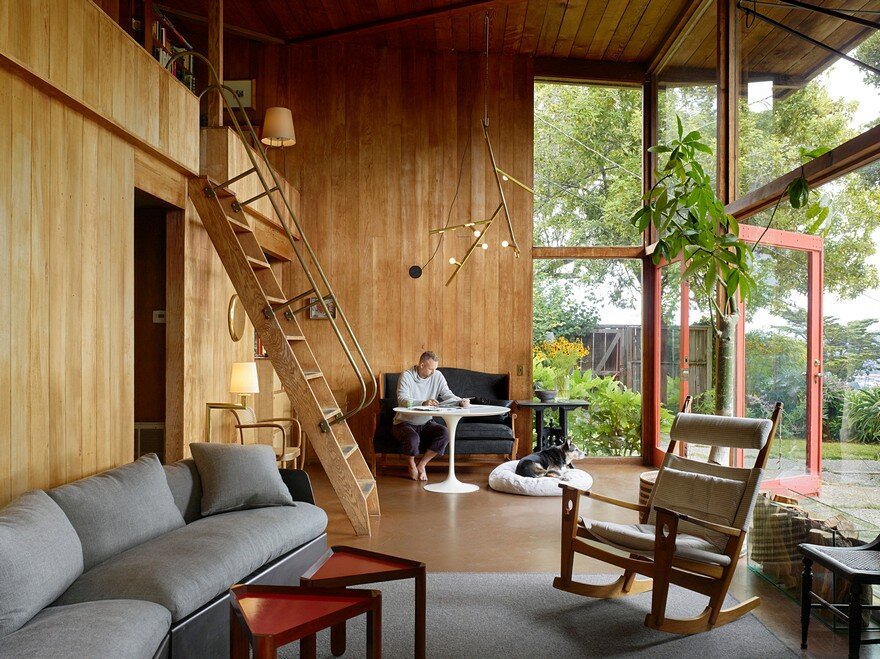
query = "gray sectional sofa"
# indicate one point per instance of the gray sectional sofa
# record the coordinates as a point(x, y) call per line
point(123, 564)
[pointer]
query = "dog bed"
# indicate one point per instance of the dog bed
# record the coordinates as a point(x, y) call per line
point(505, 479)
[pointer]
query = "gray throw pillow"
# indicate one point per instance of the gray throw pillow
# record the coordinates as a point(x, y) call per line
point(40, 556)
point(119, 508)
point(236, 477)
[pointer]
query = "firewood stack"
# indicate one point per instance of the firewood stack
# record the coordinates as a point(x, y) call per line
point(779, 525)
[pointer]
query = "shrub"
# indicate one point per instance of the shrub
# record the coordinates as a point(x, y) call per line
point(834, 395)
point(864, 416)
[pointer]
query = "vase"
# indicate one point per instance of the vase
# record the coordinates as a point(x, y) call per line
point(563, 385)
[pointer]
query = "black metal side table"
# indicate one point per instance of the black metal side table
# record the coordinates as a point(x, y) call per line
point(564, 407)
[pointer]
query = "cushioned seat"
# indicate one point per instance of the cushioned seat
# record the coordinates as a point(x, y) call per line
point(639, 539)
point(184, 568)
point(91, 629)
point(505, 479)
point(490, 435)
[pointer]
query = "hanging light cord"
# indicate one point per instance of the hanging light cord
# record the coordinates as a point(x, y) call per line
point(486, 79)
point(455, 196)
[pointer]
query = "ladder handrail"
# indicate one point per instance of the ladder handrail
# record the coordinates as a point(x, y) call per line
point(219, 87)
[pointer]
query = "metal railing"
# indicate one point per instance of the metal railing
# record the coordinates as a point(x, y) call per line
point(324, 295)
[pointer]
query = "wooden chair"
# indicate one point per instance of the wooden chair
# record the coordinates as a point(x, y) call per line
point(697, 517)
point(246, 419)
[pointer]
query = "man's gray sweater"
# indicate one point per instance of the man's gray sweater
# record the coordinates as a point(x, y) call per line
point(416, 390)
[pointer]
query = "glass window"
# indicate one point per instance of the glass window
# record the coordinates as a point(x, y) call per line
point(851, 344)
point(588, 345)
point(687, 89)
point(798, 95)
point(588, 175)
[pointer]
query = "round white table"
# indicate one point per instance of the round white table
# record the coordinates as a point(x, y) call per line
point(452, 415)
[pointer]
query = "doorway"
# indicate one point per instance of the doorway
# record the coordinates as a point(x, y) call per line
point(150, 335)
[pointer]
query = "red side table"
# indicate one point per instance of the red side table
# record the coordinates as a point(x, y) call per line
point(350, 566)
point(267, 617)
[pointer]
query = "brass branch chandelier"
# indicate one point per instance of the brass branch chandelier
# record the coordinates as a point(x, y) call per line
point(479, 228)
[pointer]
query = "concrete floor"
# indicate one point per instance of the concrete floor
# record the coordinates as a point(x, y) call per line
point(487, 531)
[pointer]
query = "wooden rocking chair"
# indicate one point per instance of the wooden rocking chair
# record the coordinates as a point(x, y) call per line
point(697, 517)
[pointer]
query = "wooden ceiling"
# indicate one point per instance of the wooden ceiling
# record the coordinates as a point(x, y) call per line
point(628, 31)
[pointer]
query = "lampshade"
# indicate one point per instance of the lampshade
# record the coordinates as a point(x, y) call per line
point(278, 128)
point(244, 378)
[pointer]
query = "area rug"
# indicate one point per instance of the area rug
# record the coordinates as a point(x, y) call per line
point(512, 616)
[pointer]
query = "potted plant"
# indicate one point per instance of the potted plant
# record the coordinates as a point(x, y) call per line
point(689, 219)
point(560, 355)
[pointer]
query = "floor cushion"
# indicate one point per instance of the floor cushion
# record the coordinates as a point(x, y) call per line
point(505, 479)
point(187, 567)
point(122, 629)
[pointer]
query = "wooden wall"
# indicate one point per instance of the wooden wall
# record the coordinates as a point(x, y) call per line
point(89, 116)
point(66, 305)
point(380, 135)
point(81, 52)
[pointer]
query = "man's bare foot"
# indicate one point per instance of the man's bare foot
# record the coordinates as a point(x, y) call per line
point(422, 475)
point(414, 473)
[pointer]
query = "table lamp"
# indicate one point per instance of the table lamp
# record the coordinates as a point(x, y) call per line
point(244, 381)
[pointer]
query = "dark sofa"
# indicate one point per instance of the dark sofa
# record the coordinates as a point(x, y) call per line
point(476, 437)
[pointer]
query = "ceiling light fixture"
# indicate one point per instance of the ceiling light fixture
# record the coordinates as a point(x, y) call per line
point(500, 177)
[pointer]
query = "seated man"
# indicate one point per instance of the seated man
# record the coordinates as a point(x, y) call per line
point(422, 385)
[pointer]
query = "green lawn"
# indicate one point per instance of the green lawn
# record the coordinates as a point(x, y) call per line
point(797, 448)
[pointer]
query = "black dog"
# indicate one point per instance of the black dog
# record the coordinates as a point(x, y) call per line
point(554, 461)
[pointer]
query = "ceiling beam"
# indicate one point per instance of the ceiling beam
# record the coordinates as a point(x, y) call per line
point(855, 153)
point(558, 69)
point(397, 22)
point(227, 28)
point(687, 21)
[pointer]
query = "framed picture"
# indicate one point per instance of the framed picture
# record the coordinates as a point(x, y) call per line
point(244, 90)
point(316, 311)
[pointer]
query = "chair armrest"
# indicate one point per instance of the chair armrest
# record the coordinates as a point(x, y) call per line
point(712, 526)
point(299, 485)
point(248, 426)
point(617, 502)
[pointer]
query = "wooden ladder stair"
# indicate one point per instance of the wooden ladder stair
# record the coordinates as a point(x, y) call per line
point(292, 357)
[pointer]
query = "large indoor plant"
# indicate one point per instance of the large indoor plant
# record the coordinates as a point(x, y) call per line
point(688, 219)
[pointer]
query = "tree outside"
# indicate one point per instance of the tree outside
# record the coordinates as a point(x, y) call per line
point(587, 165)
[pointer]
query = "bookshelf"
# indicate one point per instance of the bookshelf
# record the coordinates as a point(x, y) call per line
point(153, 30)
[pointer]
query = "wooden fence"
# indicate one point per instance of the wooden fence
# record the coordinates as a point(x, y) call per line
point(616, 350)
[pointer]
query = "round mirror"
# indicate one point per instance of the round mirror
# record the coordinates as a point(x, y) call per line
point(236, 318)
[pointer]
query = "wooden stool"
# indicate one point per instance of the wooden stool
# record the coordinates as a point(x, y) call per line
point(267, 617)
point(860, 566)
point(349, 566)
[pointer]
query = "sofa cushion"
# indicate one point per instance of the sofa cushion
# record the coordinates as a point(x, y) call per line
point(186, 488)
point(499, 418)
point(483, 431)
point(384, 442)
point(184, 569)
point(113, 628)
point(236, 477)
point(40, 556)
point(119, 508)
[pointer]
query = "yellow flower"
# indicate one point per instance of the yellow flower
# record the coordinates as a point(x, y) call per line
point(560, 353)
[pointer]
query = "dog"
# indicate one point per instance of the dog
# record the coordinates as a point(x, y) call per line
point(554, 461)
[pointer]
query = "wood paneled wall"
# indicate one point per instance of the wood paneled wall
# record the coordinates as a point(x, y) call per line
point(88, 116)
point(82, 52)
point(66, 305)
point(380, 136)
